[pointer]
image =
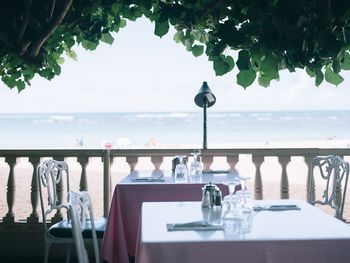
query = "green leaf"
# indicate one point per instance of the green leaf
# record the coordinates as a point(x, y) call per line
point(107, 38)
point(220, 67)
point(264, 81)
point(229, 60)
point(246, 78)
point(223, 64)
point(197, 50)
point(269, 67)
point(116, 8)
point(20, 85)
point(336, 66)
point(243, 62)
point(179, 36)
point(60, 60)
point(319, 77)
point(345, 64)
point(332, 77)
point(89, 45)
point(310, 72)
point(122, 23)
point(161, 28)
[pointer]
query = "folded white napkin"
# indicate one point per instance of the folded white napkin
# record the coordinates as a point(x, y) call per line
point(147, 179)
point(196, 226)
point(276, 208)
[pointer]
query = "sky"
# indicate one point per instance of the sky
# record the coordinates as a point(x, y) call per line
point(141, 72)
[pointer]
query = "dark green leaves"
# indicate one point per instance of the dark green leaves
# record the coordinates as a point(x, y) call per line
point(345, 64)
point(89, 45)
point(269, 36)
point(161, 28)
point(243, 62)
point(223, 64)
point(107, 38)
point(319, 77)
point(332, 77)
point(197, 50)
point(246, 78)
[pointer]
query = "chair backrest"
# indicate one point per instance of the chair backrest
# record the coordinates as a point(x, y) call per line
point(334, 171)
point(50, 174)
point(80, 208)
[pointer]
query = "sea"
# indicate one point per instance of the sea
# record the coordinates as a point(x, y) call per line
point(170, 129)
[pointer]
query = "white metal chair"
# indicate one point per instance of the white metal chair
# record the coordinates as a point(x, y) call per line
point(79, 207)
point(334, 171)
point(50, 176)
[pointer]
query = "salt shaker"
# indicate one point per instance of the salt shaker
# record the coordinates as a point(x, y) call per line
point(206, 200)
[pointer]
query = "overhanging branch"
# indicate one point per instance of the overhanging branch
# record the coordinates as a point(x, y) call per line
point(54, 23)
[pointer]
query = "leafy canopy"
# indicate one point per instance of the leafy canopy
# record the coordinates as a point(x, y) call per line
point(269, 35)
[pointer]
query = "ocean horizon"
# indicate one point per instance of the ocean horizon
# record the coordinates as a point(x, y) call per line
point(170, 129)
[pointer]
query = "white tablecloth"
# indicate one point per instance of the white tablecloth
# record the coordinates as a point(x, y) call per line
point(308, 235)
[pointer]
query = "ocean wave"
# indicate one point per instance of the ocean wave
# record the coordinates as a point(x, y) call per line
point(170, 115)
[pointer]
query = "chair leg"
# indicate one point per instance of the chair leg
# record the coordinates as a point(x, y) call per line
point(68, 253)
point(46, 252)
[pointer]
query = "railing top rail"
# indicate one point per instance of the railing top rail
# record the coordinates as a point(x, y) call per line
point(172, 152)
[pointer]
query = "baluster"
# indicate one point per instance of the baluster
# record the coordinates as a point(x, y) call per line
point(34, 217)
point(157, 161)
point(132, 161)
point(59, 188)
point(284, 160)
point(258, 160)
point(83, 185)
point(107, 162)
point(207, 162)
point(310, 180)
point(11, 189)
point(232, 161)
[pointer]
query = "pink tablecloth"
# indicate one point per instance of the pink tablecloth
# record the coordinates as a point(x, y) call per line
point(120, 237)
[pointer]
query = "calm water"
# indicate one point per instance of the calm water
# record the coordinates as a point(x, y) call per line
point(92, 130)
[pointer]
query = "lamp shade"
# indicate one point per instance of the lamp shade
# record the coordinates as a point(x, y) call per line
point(204, 96)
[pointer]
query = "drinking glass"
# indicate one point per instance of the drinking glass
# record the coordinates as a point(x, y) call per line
point(181, 171)
point(196, 167)
point(233, 182)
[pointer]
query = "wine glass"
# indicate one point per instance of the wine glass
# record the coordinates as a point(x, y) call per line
point(233, 181)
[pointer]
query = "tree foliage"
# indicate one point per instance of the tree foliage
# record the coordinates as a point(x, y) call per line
point(269, 35)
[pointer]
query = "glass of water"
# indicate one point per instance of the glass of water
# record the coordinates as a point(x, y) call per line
point(181, 171)
point(196, 167)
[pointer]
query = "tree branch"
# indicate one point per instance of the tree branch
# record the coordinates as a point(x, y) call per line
point(54, 23)
point(24, 16)
point(52, 9)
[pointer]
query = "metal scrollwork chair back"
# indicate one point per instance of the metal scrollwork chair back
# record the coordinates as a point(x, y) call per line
point(334, 172)
point(57, 226)
point(80, 208)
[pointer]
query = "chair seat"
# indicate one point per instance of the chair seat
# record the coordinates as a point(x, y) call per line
point(63, 229)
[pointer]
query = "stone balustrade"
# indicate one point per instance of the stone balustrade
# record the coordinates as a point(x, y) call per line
point(9, 158)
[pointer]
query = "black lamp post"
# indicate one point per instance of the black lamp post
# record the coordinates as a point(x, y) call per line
point(204, 99)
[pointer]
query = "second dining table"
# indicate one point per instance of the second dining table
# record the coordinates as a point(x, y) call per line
point(120, 238)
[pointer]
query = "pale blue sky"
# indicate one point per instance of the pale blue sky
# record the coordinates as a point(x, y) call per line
point(141, 72)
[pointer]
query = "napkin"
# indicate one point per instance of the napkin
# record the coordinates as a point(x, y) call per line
point(276, 208)
point(197, 226)
point(147, 179)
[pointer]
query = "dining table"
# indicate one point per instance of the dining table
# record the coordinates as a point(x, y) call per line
point(120, 237)
point(305, 234)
